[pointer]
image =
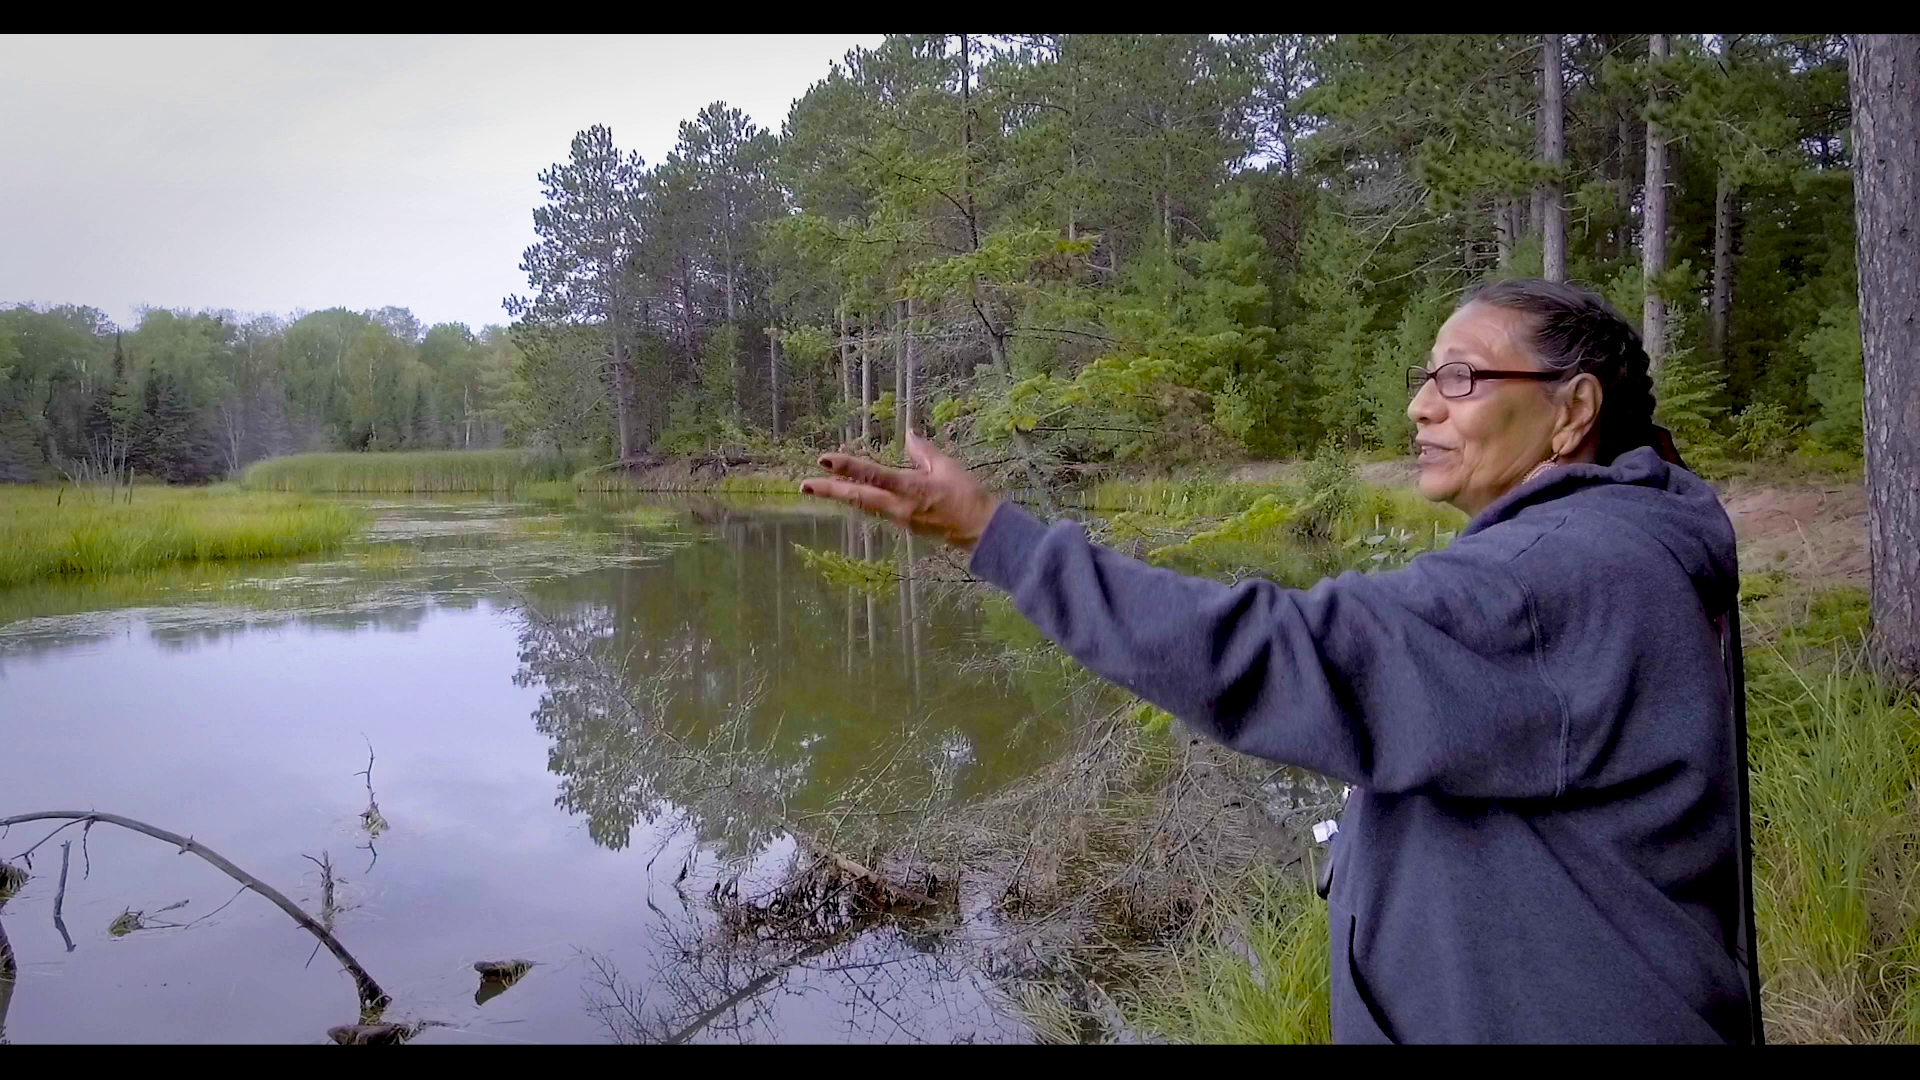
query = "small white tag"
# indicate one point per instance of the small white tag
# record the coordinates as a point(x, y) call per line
point(1325, 831)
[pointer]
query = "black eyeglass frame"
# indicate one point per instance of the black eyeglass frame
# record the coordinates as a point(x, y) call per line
point(1417, 378)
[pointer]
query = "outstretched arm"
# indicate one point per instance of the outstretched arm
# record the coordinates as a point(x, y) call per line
point(1426, 678)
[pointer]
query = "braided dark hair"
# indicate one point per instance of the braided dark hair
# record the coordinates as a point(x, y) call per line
point(1577, 332)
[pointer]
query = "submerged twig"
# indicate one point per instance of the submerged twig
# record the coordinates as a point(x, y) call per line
point(60, 895)
point(221, 908)
point(372, 997)
point(370, 818)
point(327, 907)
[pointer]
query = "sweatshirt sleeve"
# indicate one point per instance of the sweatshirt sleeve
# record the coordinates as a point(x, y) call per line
point(1422, 679)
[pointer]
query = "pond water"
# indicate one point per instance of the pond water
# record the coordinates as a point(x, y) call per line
point(513, 731)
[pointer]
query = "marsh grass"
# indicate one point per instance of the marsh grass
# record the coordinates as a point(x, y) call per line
point(78, 532)
point(1175, 499)
point(1835, 754)
point(1256, 973)
point(416, 471)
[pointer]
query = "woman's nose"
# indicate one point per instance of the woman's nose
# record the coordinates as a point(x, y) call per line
point(1427, 406)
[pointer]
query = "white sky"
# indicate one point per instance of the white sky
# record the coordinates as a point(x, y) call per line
point(269, 174)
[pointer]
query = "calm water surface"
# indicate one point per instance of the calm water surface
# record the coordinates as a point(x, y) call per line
point(580, 721)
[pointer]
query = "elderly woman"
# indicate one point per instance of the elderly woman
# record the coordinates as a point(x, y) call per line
point(1546, 839)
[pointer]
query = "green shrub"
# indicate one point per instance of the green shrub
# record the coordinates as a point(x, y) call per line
point(1837, 383)
point(1763, 432)
point(1331, 492)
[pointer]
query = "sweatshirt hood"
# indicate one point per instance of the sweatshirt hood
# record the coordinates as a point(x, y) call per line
point(1671, 504)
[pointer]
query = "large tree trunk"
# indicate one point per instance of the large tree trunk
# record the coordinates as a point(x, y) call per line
point(1552, 219)
point(1623, 186)
point(623, 400)
point(1504, 234)
point(1884, 73)
point(1653, 226)
point(900, 376)
point(966, 136)
point(846, 375)
point(773, 376)
point(866, 382)
point(1722, 300)
point(912, 376)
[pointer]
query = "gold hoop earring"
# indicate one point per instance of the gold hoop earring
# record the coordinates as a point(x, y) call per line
point(1552, 460)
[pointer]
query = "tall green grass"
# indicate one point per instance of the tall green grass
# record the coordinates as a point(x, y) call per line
point(50, 533)
point(414, 471)
point(1258, 975)
point(1190, 497)
point(1835, 755)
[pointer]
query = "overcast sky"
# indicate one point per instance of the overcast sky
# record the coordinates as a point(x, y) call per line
point(275, 174)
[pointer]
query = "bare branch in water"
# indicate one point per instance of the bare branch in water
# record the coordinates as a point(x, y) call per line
point(60, 894)
point(328, 909)
point(221, 908)
point(372, 997)
point(370, 818)
point(27, 855)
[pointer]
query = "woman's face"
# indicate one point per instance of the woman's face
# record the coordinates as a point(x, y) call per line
point(1474, 449)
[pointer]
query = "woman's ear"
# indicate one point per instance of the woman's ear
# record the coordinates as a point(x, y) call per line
point(1579, 415)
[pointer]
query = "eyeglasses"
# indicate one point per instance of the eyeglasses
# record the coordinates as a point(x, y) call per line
point(1456, 379)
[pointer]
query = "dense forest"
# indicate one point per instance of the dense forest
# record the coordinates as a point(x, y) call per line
point(190, 397)
point(1083, 247)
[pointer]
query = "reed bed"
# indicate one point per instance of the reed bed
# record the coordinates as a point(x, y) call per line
point(50, 532)
point(418, 472)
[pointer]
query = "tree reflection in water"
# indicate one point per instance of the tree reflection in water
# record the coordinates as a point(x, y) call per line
point(730, 695)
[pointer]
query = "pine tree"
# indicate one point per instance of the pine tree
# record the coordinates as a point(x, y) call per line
point(1885, 71)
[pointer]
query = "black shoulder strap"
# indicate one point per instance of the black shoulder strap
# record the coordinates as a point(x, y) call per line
point(1747, 946)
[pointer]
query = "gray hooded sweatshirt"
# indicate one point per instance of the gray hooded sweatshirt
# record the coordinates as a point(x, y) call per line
point(1541, 843)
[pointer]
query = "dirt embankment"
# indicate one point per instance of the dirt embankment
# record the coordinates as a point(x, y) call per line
point(703, 473)
point(1814, 533)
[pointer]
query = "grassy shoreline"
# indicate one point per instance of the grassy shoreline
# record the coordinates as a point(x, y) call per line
point(48, 532)
point(417, 472)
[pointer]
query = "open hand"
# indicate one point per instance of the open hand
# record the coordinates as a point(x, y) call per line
point(937, 497)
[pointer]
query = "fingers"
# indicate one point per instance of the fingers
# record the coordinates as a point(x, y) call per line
point(920, 451)
point(864, 496)
point(862, 471)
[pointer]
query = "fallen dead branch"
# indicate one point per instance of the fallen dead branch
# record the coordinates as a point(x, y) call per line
point(372, 997)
